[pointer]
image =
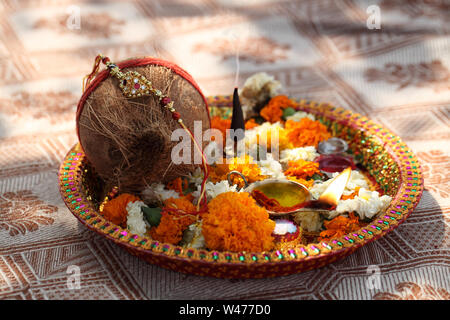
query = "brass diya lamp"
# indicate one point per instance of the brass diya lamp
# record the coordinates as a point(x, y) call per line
point(282, 197)
point(285, 195)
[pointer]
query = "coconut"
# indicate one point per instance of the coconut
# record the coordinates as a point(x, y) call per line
point(128, 140)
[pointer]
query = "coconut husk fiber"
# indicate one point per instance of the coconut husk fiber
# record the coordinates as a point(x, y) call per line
point(128, 140)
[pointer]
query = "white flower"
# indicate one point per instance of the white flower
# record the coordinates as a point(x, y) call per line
point(135, 218)
point(258, 82)
point(262, 134)
point(308, 220)
point(212, 190)
point(367, 204)
point(254, 142)
point(195, 177)
point(193, 237)
point(213, 152)
point(318, 188)
point(356, 179)
point(257, 89)
point(298, 115)
point(283, 227)
point(271, 167)
point(304, 153)
point(157, 191)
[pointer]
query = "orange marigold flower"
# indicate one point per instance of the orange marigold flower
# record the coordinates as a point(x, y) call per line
point(306, 132)
point(340, 226)
point(183, 203)
point(115, 210)
point(307, 183)
point(302, 169)
point(250, 124)
point(173, 224)
point(273, 111)
point(179, 184)
point(222, 125)
point(244, 165)
point(235, 222)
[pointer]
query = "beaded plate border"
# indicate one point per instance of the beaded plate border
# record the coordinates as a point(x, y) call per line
point(387, 158)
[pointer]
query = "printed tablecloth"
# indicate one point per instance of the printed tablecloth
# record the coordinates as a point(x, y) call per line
point(323, 50)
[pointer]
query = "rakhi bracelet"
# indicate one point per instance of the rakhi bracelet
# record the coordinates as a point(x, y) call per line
point(135, 85)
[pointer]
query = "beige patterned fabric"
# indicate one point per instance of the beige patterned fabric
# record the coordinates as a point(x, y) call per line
point(321, 50)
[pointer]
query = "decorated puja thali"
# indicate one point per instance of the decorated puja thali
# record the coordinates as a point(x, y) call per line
point(333, 182)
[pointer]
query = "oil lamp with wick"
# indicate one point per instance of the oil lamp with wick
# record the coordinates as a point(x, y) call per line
point(281, 197)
